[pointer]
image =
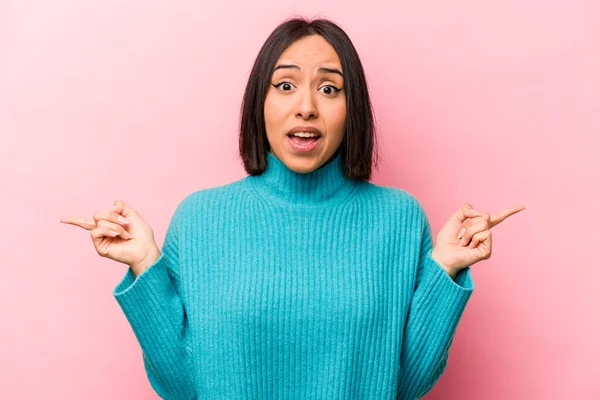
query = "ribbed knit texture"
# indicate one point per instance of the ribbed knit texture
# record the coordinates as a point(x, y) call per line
point(295, 286)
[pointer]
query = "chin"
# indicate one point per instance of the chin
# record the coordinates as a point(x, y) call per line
point(303, 168)
point(303, 164)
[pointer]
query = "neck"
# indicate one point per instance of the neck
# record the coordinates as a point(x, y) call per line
point(326, 185)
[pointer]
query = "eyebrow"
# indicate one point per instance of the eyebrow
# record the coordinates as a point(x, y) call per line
point(321, 70)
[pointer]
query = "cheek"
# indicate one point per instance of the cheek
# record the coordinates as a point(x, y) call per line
point(274, 112)
point(270, 117)
point(338, 117)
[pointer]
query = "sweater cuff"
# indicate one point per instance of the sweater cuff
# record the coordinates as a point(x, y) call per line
point(459, 289)
point(148, 287)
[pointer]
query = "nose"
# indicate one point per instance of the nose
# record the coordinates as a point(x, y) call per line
point(307, 107)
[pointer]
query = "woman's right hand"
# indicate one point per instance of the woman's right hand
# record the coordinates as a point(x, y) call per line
point(129, 241)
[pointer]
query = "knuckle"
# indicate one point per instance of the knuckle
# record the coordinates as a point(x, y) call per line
point(111, 217)
point(474, 231)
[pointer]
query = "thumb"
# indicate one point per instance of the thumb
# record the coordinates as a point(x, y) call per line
point(123, 208)
point(464, 212)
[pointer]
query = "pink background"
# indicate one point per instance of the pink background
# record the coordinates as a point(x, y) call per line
point(494, 103)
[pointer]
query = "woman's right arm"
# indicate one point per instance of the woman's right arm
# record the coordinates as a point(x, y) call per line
point(153, 306)
point(149, 293)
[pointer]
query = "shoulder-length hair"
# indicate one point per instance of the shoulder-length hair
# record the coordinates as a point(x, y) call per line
point(358, 145)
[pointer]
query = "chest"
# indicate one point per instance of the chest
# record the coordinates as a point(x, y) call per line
point(323, 267)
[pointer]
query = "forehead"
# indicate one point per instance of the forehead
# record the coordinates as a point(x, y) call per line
point(310, 52)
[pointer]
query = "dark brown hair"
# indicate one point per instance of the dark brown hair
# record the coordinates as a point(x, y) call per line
point(358, 145)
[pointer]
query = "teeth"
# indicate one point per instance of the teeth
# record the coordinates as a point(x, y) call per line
point(305, 134)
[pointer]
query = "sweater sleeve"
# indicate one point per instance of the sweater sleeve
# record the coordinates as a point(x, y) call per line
point(438, 302)
point(154, 308)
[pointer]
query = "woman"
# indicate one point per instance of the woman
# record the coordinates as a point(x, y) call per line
point(302, 280)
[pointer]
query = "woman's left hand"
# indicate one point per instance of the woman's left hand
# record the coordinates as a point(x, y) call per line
point(466, 238)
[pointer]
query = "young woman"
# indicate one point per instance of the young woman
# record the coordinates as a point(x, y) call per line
point(303, 280)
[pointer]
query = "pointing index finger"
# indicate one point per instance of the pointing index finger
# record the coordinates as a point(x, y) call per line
point(79, 221)
point(500, 216)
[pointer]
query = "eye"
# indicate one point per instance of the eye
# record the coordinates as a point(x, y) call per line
point(333, 88)
point(281, 83)
point(332, 92)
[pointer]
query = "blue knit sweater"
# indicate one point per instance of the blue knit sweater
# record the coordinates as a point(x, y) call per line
point(295, 286)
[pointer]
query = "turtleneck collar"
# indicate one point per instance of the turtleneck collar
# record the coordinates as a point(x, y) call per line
point(326, 185)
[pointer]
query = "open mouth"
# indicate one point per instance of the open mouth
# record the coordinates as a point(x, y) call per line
point(308, 138)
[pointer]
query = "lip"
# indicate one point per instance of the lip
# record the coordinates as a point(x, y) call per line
point(303, 148)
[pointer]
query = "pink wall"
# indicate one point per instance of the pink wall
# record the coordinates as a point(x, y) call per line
point(493, 103)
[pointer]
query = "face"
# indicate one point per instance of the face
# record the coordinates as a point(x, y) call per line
point(302, 95)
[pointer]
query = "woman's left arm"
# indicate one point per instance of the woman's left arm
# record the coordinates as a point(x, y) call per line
point(443, 287)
